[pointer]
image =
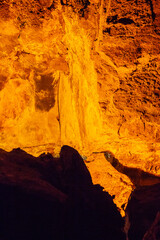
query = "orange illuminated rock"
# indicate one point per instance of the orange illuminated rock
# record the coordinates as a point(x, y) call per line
point(46, 3)
point(85, 74)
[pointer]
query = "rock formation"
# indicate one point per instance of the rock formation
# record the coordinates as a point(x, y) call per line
point(143, 213)
point(153, 232)
point(137, 176)
point(86, 74)
point(54, 198)
point(41, 198)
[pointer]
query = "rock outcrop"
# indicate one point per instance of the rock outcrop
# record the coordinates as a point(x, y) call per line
point(48, 198)
point(143, 213)
point(154, 230)
point(138, 177)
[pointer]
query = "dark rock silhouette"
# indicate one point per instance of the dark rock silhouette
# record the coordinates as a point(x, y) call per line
point(137, 176)
point(53, 198)
point(74, 170)
point(154, 230)
point(143, 211)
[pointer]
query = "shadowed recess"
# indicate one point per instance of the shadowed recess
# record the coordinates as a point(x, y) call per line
point(45, 97)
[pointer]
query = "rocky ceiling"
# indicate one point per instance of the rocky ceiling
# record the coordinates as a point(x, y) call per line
point(83, 73)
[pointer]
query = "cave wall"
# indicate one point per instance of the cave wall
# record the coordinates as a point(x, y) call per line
point(86, 74)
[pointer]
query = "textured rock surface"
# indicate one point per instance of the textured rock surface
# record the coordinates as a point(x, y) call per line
point(83, 73)
point(41, 198)
point(54, 198)
point(154, 231)
point(143, 211)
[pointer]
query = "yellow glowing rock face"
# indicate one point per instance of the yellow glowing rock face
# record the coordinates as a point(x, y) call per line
point(78, 98)
point(86, 75)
